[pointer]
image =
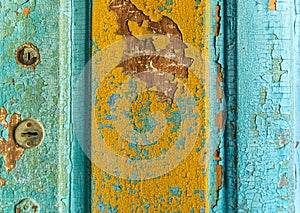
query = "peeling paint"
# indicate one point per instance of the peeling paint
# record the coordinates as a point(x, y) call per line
point(219, 119)
point(219, 82)
point(2, 182)
point(218, 20)
point(283, 181)
point(219, 178)
point(148, 62)
point(272, 4)
point(26, 12)
point(263, 95)
point(217, 155)
point(10, 151)
point(184, 189)
point(276, 67)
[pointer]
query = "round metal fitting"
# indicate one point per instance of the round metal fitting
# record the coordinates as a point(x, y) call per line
point(28, 56)
point(29, 134)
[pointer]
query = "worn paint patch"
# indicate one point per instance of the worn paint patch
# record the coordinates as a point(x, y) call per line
point(26, 12)
point(219, 82)
point(276, 67)
point(218, 20)
point(10, 151)
point(272, 4)
point(219, 119)
point(186, 187)
point(2, 182)
point(146, 59)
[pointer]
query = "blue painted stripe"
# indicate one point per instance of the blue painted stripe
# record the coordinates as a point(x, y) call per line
point(81, 54)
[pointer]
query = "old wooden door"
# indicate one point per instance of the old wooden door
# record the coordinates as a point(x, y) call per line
point(149, 106)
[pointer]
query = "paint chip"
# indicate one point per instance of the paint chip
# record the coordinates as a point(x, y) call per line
point(10, 151)
point(218, 176)
point(272, 5)
point(218, 19)
point(152, 64)
point(26, 12)
point(2, 182)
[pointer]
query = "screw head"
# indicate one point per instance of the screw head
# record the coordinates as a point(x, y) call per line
point(29, 134)
point(28, 56)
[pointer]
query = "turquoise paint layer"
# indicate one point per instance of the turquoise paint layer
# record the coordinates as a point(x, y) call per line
point(81, 103)
point(297, 102)
point(41, 174)
point(265, 166)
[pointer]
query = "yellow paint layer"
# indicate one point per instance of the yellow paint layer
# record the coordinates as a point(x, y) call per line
point(185, 187)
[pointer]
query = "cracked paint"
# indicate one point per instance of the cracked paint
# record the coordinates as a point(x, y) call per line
point(276, 67)
point(185, 188)
point(10, 151)
point(150, 63)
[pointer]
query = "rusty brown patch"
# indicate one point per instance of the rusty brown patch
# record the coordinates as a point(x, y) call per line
point(297, 144)
point(3, 115)
point(219, 119)
point(219, 86)
point(218, 19)
point(10, 151)
point(217, 155)
point(26, 12)
point(2, 182)
point(154, 66)
point(272, 4)
point(34, 208)
point(218, 176)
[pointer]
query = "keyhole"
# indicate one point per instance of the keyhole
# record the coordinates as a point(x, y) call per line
point(29, 134)
point(28, 56)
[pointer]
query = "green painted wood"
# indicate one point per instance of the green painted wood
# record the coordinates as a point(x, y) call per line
point(265, 74)
point(42, 174)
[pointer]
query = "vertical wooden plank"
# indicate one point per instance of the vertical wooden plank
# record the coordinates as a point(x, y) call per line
point(264, 80)
point(41, 174)
point(297, 104)
point(81, 92)
point(186, 187)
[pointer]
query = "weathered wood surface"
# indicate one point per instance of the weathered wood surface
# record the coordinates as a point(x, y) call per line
point(43, 93)
point(251, 49)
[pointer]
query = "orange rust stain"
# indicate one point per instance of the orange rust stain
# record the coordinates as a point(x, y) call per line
point(17, 13)
point(10, 151)
point(2, 182)
point(3, 115)
point(26, 11)
point(219, 119)
point(219, 86)
point(217, 155)
point(218, 19)
point(218, 176)
point(297, 143)
point(272, 5)
point(34, 208)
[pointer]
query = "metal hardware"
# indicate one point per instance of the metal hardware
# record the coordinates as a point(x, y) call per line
point(29, 134)
point(28, 56)
point(28, 205)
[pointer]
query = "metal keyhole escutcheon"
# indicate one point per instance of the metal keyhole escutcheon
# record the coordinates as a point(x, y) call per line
point(29, 134)
point(28, 55)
